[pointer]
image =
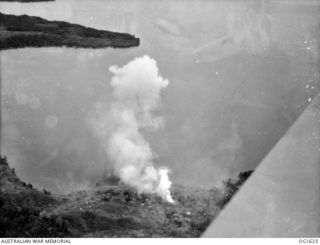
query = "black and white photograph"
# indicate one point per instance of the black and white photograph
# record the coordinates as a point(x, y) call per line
point(159, 119)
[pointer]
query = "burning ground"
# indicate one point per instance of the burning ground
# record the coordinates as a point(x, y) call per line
point(107, 210)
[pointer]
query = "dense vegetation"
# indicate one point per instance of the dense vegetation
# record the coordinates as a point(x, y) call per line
point(20, 207)
point(107, 210)
point(28, 31)
point(231, 186)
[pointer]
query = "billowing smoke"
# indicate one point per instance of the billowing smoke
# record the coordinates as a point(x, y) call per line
point(136, 94)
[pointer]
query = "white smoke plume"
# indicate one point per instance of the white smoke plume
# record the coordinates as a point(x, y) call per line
point(136, 94)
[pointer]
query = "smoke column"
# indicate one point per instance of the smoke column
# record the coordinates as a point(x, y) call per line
point(136, 94)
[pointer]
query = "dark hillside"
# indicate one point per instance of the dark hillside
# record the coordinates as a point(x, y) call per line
point(103, 211)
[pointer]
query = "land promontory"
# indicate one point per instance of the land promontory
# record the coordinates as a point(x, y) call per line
point(30, 31)
point(26, 1)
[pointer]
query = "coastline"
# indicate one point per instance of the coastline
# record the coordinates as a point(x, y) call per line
point(30, 31)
